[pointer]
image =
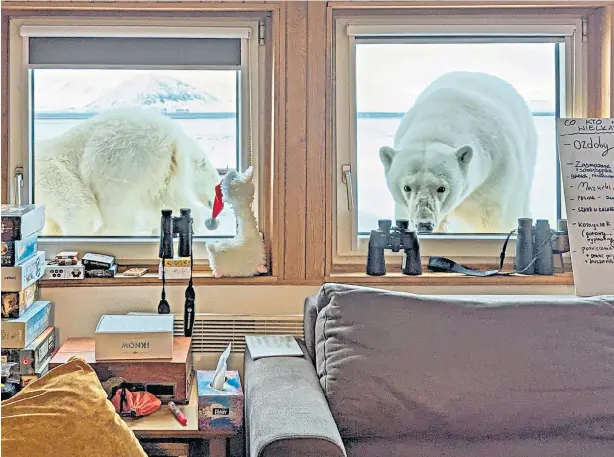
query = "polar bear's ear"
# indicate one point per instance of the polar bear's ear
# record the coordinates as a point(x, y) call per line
point(464, 154)
point(386, 154)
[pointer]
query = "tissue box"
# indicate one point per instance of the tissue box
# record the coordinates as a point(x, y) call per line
point(219, 409)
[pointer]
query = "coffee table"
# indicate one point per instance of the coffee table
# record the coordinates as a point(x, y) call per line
point(161, 434)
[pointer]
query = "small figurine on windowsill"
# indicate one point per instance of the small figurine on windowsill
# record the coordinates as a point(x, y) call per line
point(244, 254)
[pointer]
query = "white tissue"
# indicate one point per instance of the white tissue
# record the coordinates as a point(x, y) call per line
point(219, 378)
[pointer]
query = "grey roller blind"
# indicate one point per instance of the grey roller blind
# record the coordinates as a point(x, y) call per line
point(134, 51)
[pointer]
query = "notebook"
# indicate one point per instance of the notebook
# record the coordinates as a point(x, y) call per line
point(272, 346)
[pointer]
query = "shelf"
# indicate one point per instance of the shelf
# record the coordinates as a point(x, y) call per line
point(151, 279)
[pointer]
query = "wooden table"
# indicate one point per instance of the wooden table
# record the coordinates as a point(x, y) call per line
point(161, 434)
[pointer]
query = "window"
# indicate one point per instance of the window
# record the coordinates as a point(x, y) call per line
point(121, 121)
point(432, 111)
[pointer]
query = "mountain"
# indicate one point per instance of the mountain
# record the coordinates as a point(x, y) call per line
point(160, 92)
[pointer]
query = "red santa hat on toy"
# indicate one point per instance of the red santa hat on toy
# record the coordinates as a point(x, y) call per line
point(212, 223)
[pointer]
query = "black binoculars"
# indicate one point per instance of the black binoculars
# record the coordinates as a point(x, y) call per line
point(395, 239)
point(171, 226)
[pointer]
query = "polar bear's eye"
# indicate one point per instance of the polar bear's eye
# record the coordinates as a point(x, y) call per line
point(441, 190)
point(407, 189)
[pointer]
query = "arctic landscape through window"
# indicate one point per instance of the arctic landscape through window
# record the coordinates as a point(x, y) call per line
point(127, 123)
point(499, 75)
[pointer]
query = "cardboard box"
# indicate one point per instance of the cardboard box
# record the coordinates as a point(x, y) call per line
point(14, 304)
point(17, 278)
point(19, 222)
point(100, 273)
point(32, 357)
point(92, 261)
point(19, 333)
point(15, 252)
point(176, 262)
point(169, 380)
point(219, 409)
point(174, 272)
point(55, 271)
point(129, 337)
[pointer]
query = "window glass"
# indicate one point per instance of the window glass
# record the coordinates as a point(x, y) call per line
point(492, 97)
point(112, 147)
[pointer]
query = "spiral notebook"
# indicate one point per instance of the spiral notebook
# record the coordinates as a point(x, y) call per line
point(272, 346)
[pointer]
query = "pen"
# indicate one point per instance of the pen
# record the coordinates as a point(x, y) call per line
point(178, 414)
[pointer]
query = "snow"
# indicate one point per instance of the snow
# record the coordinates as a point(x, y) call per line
point(160, 92)
point(82, 91)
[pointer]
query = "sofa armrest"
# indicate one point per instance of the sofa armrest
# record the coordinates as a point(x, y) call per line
point(286, 412)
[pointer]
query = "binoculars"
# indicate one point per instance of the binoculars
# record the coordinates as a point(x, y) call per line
point(171, 226)
point(537, 245)
point(394, 238)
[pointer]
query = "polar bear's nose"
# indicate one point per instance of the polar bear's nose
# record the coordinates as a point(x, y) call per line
point(425, 227)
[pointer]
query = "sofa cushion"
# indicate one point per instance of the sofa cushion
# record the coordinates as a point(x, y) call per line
point(394, 363)
point(513, 447)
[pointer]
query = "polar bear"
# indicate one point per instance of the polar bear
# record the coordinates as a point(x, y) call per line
point(463, 157)
point(113, 173)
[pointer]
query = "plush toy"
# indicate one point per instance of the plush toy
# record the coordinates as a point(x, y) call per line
point(244, 254)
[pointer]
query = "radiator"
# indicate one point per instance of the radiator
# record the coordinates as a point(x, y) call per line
point(213, 332)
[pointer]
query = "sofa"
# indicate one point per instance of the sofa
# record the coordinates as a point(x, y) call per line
point(394, 374)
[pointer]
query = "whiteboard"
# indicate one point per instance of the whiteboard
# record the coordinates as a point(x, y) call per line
point(586, 155)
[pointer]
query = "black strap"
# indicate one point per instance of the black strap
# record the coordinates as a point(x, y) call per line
point(445, 265)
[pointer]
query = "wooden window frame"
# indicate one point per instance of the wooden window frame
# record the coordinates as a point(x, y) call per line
point(146, 14)
point(597, 104)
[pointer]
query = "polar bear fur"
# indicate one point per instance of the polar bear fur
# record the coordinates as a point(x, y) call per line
point(112, 174)
point(463, 157)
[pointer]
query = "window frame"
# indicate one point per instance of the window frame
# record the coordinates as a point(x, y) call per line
point(348, 249)
point(251, 99)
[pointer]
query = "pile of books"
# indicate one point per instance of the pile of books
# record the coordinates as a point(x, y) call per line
point(28, 331)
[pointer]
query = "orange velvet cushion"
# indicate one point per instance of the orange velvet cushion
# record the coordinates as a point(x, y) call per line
point(65, 413)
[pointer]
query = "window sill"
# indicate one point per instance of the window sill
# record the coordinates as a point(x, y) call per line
point(452, 279)
point(204, 278)
point(201, 278)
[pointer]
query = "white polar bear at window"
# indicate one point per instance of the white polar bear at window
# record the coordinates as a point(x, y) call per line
point(463, 157)
point(115, 172)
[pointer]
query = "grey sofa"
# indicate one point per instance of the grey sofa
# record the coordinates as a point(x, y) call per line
point(391, 374)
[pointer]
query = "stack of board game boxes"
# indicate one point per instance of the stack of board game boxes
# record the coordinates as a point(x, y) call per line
point(28, 331)
point(67, 265)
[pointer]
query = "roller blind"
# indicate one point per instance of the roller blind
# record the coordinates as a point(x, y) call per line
point(545, 30)
point(104, 51)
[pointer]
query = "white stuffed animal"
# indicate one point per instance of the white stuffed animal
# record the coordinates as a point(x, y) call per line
point(244, 254)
